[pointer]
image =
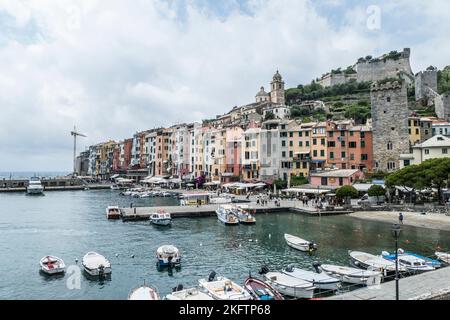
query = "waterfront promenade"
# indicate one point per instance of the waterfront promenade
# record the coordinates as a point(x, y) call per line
point(434, 285)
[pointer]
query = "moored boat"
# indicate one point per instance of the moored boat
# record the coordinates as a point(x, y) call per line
point(52, 265)
point(143, 292)
point(290, 286)
point(223, 288)
point(187, 294)
point(300, 244)
point(113, 212)
point(225, 215)
point(168, 255)
point(243, 215)
point(261, 290)
point(161, 218)
point(411, 263)
point(445, 257)
point(352, 275)
point(35, 186)
point(371, 262)
point(431, 262)
point(95, 264)
point(319, 280)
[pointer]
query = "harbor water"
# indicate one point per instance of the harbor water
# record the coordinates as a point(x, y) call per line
point(71, 223)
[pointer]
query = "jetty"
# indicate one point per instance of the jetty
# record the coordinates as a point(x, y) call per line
point(143, 213)
point(433, 285)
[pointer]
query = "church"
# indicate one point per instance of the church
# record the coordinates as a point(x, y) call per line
point(275, 100)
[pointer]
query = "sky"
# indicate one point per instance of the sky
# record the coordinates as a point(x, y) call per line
point(114, 67)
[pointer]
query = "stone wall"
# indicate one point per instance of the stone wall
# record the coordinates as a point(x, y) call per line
point(390, 124)
point(332, 79)
point(423, 80)
point(442, 106)
point(383, 67)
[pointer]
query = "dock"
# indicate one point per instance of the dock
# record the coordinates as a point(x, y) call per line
point(59, 188)
point(143, 213)
point(432, 285)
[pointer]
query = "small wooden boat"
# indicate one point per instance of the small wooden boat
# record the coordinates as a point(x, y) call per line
point(161, 218)
point(168, 255)
point(445, 257)
point(353, 275)
point(377, 263)
point(411, 263)
point(95, 264)
point(243, 215)
point(290, 286)
point(188, 294)
point(261, 290)
point(225, 215)
point(319, 280)
point(52, 265)
point(299, 243)
point(143, 293)
point(113, 212)
point(223, 288)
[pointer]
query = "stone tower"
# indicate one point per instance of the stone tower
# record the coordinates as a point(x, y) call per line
point(425, 80)
point(277, 89)
point(262, 96)
point(390, 124)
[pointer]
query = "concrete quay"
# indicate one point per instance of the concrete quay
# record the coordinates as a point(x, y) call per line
point(432, 285)
point(59, 188)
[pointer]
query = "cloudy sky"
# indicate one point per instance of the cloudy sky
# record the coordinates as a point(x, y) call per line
point(112, 67)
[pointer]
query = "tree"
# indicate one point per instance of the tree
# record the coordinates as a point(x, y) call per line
point(298, 180)
point(347, 193)
point(269, 116)
point(280, 184)
point(376, 191)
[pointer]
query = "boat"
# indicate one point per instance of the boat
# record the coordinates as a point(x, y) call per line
point(225, 215)
point(445, 257)
point(223, 288)
point(95, 264)
point(431, 262)
point(243, 215)
point(375, 263)
point(223, 199)
point(168, 255)
point(113, 212)
point(161, 218)
point(352, 275)
point(179, 293)
point(261, 290)
point(35, 186)
point(319, 280)
point(410, 262)
point(115, 187)
point(290, 286)
point(143, 292)
point(52, 265)
point(299, 243)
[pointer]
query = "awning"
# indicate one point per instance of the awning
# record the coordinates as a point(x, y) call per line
point(306, 191)
point(364, 187)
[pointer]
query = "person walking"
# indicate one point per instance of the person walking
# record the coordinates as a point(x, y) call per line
point(400, 218)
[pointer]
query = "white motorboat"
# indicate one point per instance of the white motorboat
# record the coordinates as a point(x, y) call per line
point(225, 215)
point(188, 294)
point(52, 265)
point(35, 186)
point(223, 288)
point(371, 262)
point(113, 212)
point(161, 218)
point(143, 293)
point(213, 199)
point(411, 263)
point(319, 280)
point(95, 264)
point(168, 255)
point(299, 243)
point(353, 275)
point(243, 215)
point(445, 257)
point(290, 286)
point(115, 187)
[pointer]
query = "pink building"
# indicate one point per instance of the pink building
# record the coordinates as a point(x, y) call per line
point(233, 153)
point(336, 178)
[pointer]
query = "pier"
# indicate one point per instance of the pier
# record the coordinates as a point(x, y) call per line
point(433, 285)
point(59, 188)
point(143, 213)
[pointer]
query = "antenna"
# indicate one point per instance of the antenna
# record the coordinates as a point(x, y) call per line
point(75, 134)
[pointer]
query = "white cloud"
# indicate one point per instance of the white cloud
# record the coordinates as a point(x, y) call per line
point(114, 67)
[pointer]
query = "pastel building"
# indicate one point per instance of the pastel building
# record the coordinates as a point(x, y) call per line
point(250, 154)
point(435, 147)
point(336, 178)
point(233, 153)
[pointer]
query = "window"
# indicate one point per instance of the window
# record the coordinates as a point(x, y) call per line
point(343, 144)
point(315, 142)
point(363, 144)
point(409, 130)
point(362, 135)
point(342, 133)
point(307, 143)
point(322, 153)
point(306, 133)
point(291, 154)
point(291, 134)
point(427, 151)
point(352, 156)
point(389, 146)
point(283, 154)
point(391, 165)
point(388, 99)
point(426, 132)
point(331, 144)
point(300, 134)
point(291, 143)
point(417, 131)
point(283, 143)
point(406, 163)
point(330, 134)
point(351, 133)
point(444, 151)
point(364, 157)
point(331, 155)
point(300, 143)
point(342, 155)
point(322, 142)
point(352, 144)
point(315, 153)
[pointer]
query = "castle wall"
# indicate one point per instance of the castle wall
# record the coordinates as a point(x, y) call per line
point(383, 68)
point(442, 106)
point(424, 80)
point(390, 124)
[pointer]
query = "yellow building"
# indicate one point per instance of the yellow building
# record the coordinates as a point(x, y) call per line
point(419, 129)
point(299, 149)
point(218, 163)
point(318, 144)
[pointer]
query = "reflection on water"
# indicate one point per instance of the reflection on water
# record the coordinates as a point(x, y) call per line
point(69, 224)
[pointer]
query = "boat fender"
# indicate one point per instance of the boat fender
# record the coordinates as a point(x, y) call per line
point(316, 266)
point(178, 288)
point(384, 253)
point(290, 268)
point(264, 269)
point(211, 277)
point(400, 251)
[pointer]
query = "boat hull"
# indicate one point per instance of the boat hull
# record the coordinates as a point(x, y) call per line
point(96, 272)
point(295, 292)
point(161, 222)
point(35, 191)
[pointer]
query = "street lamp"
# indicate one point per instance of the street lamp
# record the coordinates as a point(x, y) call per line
point(396, 229)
